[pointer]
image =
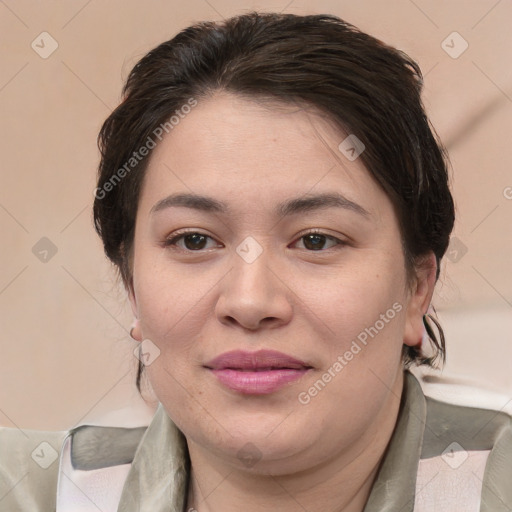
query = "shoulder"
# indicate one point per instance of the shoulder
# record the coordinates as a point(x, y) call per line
point(31, 461)
point(462, 412)
point(466, 455)
point(29, 468)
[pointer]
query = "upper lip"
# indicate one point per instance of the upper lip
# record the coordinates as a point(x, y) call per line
point(262, 359)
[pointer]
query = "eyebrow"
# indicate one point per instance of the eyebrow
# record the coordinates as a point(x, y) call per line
point(290, 207)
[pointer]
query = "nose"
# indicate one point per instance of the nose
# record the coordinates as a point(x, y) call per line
point(254, 295)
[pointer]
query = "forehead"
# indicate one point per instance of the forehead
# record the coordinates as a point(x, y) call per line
point(253, 155)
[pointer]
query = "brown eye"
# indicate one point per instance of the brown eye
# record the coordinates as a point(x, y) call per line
point(194, 241)
point(191, 241)
point(314, 242)
point(317, 241)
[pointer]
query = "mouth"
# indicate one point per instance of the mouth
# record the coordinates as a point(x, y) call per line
point(256, 373)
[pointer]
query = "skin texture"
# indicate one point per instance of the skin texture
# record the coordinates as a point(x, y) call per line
point(311, 304)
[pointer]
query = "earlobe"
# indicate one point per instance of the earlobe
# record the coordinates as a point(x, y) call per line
point(419, 302)
point(135, 330)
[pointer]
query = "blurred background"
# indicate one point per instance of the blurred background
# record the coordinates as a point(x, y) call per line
point(66, 356)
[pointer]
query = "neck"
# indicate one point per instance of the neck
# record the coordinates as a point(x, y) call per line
point(341, 484)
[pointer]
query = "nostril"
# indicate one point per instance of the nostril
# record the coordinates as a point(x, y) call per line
point(231, 320)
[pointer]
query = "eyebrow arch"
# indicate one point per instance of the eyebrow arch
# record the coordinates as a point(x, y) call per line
point(290, 207)
point(194, 201)
point(317, 202)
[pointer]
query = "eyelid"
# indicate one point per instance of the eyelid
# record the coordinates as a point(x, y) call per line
point(177, 235)
point(180, 234)
point(318, 231)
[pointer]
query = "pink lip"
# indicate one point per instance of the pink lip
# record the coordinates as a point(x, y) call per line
point(256, 373)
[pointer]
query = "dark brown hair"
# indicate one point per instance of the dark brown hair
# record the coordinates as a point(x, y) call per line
point(367, 88)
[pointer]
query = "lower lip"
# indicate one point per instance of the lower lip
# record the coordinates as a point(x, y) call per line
point(258, 383)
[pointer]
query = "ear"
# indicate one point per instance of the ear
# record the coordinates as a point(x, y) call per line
point(135, 330)
point(422, 290)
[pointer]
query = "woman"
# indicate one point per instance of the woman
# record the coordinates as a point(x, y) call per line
point(278, 206)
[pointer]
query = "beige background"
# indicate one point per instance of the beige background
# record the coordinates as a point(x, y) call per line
point(66, 357)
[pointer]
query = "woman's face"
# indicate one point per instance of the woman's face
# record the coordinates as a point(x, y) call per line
point(251, 276)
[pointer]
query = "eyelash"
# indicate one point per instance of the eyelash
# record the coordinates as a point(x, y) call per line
point(170, 242)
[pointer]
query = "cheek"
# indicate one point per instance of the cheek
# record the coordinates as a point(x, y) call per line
point(363, 361)
point(172, 317)
point(169, 297)
point(359, 300)
point(174, 321)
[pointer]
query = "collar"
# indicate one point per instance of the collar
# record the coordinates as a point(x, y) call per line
point(158, 477)
point(395, 485)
